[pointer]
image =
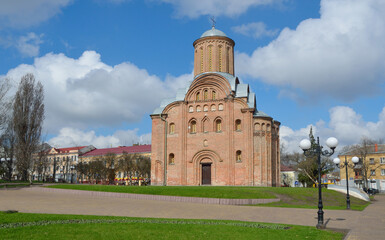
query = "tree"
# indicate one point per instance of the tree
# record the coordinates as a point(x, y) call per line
point(97, 169)
point(110, 159)
point(41, 161)
point(82, 168)
point(362, 150)
point(5, 104)
point(126, 164)
point(144, 166)
point(28, 117)
point(7, 142)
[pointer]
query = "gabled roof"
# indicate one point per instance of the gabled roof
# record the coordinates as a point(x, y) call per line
point(119, 150)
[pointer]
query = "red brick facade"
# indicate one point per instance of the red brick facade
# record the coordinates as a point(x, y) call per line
point(212, 132)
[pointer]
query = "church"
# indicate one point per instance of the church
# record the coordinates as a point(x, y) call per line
point(212, 133)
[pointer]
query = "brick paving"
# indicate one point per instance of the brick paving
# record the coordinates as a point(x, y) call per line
point(368, 224)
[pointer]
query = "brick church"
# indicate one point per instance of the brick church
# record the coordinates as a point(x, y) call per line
point(212, 133)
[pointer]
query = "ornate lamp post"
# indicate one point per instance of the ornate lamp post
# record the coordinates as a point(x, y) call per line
point(346, 165)
point(316, 151)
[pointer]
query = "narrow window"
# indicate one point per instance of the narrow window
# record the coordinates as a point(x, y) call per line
point(198, 96)
point(238, 125)
point(201, 60)
point(218, 125)
point(238, 156)
point(191, 109)
point(220, 107)
point(210, 58)
point(204, 127)
point(205, 94)
point(199, 108)
point(205, 108)
point(220, 58)
point(172, 128)
point(171, 158)
point(213, 108)
point(228, 59)
point(214, 95)
point(193, 126)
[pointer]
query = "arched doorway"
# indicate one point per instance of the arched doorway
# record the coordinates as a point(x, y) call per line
point(206, 171)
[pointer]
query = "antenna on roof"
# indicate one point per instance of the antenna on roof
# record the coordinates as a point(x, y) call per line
point(213, 22)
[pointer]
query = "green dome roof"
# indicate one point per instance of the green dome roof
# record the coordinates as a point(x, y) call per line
point(213, 32)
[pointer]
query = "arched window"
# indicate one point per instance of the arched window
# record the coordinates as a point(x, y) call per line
point(191, 109)
point(199, 108)
point(238, 126)
point(238, 156)
point(205, 108)
point(172, 128)
point(220, 107)
point(193, 126)
point(205, 94)
point(171, 158)
point(218, 125)
point(213, 108)
point(198, 96)
point(214, 95)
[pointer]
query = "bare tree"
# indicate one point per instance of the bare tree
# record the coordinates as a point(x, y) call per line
point(144, 166)
point(362, 150)
point(7, 142)
point(110, 159)
point(28, 117)
point(126, 164)
point(5, 104)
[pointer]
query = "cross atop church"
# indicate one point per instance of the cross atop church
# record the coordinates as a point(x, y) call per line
point(213, 22)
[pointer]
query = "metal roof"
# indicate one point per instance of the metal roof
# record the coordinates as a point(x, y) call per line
point(119, 150)
point(213, 32)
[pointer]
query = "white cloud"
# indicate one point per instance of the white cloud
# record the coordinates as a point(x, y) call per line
point(75, 137)
point(26, 13)
point(230, 8)
point(85, 92)
point(341, 54)
point(255, 30)
point(345, 124)
point(29, 45)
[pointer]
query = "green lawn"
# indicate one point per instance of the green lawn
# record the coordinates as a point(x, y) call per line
point(53, 226)
point(290, 197)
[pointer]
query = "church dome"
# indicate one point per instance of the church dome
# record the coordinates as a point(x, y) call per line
point(213, 32)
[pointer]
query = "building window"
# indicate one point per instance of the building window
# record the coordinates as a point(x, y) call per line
point(172, 128)
point(210, 58)
point(191, 109)
point(372, 172)
point(205, 108)
point(218, 125)
point(198, 96)
point(205, 125)
point(171, 159)
point(201, 60)
point(371, 161)
point(382, 160)
point(199, 108)
point(357, 173)
point(238, 125)
point(382, 172)
point(220, 58)
point(228, 59)
point(238, 156)
point(205, 94)
point(214, 95)
point(220, 107)
point(213, 108)
point(193, 126)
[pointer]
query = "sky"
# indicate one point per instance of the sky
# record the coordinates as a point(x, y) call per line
point(107, 64)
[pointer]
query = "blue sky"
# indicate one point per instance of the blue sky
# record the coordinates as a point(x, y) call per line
point(107, 64)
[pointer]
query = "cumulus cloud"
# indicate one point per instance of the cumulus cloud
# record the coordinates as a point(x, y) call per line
point(75, 137)
point(345, 124)
point(255, 30)
point(341, 54)
point(26, 13)
point(230, 8)
point(29, 45)
point(85, 92)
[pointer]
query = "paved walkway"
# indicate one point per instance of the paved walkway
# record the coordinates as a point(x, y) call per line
point(368, 224)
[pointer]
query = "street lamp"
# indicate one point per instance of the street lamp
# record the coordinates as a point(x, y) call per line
point(346, 165)
point(305, 145)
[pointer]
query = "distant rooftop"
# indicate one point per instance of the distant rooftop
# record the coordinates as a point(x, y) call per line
point(119, 150)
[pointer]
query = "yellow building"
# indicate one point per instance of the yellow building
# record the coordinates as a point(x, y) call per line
point(371, 165)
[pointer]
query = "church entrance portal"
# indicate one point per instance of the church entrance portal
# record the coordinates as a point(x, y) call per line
point(206, 173)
